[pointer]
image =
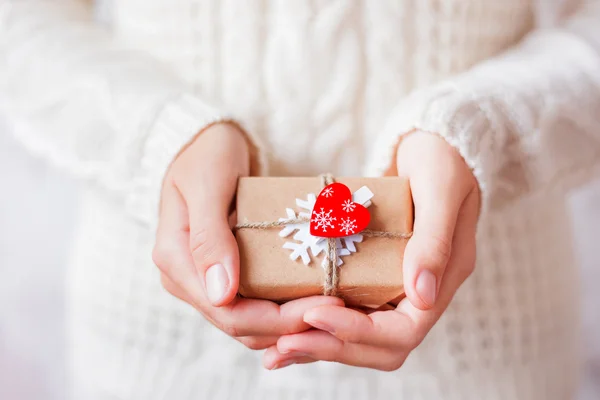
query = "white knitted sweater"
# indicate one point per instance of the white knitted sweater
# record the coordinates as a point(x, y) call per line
point(323, 85)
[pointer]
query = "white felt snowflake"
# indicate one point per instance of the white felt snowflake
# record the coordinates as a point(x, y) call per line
point(306, 241)
point(348, 225)
point(328, 192)
point(348, 206)
point(303, 236)
point(323, 219)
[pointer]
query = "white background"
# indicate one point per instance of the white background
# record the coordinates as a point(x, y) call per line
point(36, 223)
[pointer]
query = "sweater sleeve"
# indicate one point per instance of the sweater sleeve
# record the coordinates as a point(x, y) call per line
point(523, 121)
point(103, 112)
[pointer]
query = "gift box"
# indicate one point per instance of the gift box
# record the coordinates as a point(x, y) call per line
point(286, 241)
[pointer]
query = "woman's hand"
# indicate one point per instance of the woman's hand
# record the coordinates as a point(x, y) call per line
point(196, 251)
point(438, 259)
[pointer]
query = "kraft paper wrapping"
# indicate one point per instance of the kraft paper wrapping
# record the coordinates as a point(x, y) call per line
point(370, 277)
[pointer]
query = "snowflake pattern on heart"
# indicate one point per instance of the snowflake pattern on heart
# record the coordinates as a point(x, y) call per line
point(335, 215)
point(323, 219)
point(348, 226)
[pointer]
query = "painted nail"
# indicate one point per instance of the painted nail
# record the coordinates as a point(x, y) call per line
point(426, 287)
point(322, 326)
point(217, 282)
point(283, 364)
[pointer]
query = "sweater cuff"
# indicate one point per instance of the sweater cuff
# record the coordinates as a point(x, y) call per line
point(453, 115)
point(179, 122)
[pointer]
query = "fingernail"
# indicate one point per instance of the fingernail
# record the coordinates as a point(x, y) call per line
point(294, 354)
point(426, 287)
point(322, 326)
point(283, 364)
point(217, 282)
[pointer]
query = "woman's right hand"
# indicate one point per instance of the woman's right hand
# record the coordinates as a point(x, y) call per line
point(196, 251)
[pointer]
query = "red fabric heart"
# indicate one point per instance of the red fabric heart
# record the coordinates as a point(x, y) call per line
point(336, 215)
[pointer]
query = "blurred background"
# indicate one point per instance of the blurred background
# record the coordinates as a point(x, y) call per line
point(37, 208)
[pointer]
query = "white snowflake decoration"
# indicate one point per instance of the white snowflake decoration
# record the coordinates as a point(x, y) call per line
point(304, 240)
point(328, 192)
point(348, 225)
point(323, 219)
point(348, 206)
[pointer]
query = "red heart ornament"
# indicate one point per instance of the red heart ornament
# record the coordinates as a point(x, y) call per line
point(336, 215)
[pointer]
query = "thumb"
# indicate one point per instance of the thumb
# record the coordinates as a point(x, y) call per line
point(437, 195)
point(427, 254)
point(208, 192)
point(216, 258)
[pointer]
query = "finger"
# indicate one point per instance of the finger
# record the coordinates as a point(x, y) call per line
point(438, 192)
point(382, 328)
point(208, 188)
point(257, 318)
point(321, 345)
point(171, 252)
point(293, 361)
point(257, 342)
point(250, 317)
point(252, 321)
point(174, 289)
point(273, 359)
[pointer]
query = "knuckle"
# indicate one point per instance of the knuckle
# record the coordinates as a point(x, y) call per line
point(202, 243)
point(412, 341)
point(356, 332)
point(439, 250)
point(253, 343)
point(230, 328)
point(162, 255)
point(392, 364)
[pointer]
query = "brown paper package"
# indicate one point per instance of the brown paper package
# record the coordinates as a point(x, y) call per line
point(370, 277)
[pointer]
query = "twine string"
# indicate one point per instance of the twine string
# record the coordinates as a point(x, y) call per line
point(295, 221)
point(332, 275)
point(331, 269)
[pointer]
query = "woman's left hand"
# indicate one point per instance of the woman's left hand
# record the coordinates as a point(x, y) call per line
point(438, 258)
